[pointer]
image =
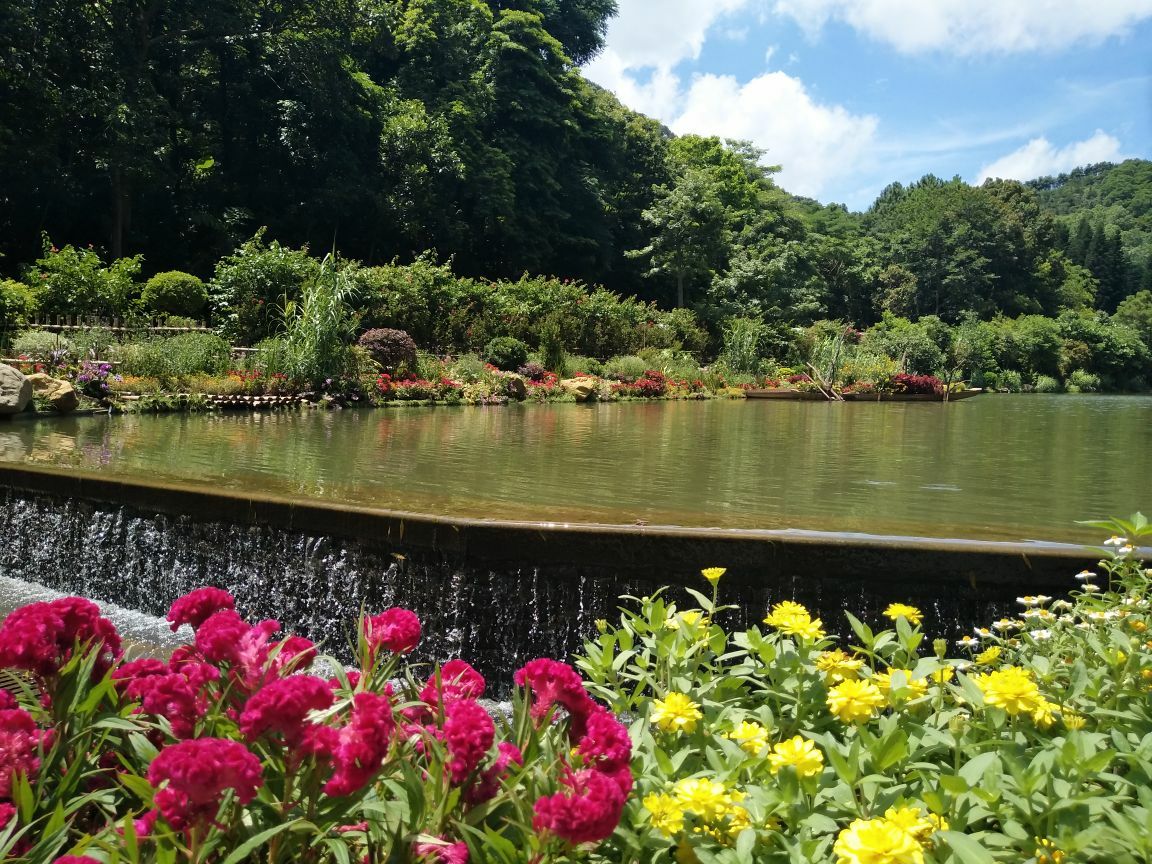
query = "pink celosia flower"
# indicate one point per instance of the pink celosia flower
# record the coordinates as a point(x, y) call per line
point(550, 683)
point(441, 853)
point(457, 680)
point(20, 742)
point(218, 636)
point(171, 696)
point(7, 700)
point(40, 637)
point(125, 673)
point(283, 706)
point(75, 859)
point(363, 744)
point(191, 778)
point(468, 735)
point(254, 650)
point(396, 629)
point(586, 812)
point(487, 784)
point(605, 744)
point(197, 606)
point(293, 654)
point(7, 813)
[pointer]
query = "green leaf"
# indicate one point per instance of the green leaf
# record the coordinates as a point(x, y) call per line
point(255, 842)
point(966, 849)
point(973, 772)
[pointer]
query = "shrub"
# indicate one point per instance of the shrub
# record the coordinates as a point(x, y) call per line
point(73, 281)
point(1047, 384)
point(580, 365)
point(175, 293)
point(552, 353)
point(41, 344)
point(392, 349)
point(17, 304)
point(190, 353)
point(743, 344)
point(251, 287)
point(626, 368)
point(506, 352)
point(533, 371)
point(1084, 382)
point(917, 384)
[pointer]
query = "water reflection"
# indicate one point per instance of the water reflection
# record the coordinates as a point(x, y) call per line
point(999, 467)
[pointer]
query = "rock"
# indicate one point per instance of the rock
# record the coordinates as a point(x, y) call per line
point(61, 395)
point(517, 388)
point(15, 390)
point(581, 388)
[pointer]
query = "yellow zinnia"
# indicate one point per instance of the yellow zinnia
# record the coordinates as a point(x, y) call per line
point(798, 752)
point(912, 820)
point(665, 813)
point(877, 841)
point(689, 618)
point(987, 658)
point(838, 666)
point(713, 574)
point(911, 688)
point(853, 701)
point(675, 713)
point(1011, 689)
point(792, 619)
point(903, 610)
point(708, 799)
point(752, 737)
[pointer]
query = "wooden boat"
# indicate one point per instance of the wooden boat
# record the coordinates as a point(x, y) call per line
point(816, 396)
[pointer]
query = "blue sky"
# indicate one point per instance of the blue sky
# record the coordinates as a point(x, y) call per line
point(849, 95)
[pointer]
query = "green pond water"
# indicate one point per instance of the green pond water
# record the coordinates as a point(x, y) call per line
point(995, 467)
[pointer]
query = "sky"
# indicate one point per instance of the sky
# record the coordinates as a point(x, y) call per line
point(849, 95)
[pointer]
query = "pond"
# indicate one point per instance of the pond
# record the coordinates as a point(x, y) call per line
point(998, 467)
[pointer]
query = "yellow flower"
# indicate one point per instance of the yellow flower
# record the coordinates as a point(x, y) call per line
point(838, 666)
point(1074, 721)
point(708, 799)
point(903, 610)
point(1044, 714)
point(912, 820)
point(739, 819)
point(665, 813)
point(752, 737)
point(792, 619)
point(798, 752)
point(687, 619)
point(853, 701)
point(912, 688)
point(713, 574)
point(988, 657)
point(675, 713)
point(943, 675)
point(877, 841)
point(1047, 853)
point(1010, 688)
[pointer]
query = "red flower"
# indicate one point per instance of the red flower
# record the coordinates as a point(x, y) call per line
point(363, 744)
point(75, 859)
point(468, 734)
point(218, 637)
point(586, 812)
point(293, 653)
point(396, 629)
point(191, 777)
point(20, 743)
point(550, 683)
point(441, 853)
point(485, 787)
point(7, 814)
point(457, 680)
point(40, 637)
point(283, 706)
point(170, 696)
point(605, 744)
point(197, 606)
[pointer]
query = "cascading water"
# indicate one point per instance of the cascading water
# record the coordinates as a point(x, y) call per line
point(317, 585)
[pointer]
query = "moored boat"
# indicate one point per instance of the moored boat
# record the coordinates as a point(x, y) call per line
point(807, 395)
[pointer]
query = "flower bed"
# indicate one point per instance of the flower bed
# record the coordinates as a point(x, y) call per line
point(1033, 743)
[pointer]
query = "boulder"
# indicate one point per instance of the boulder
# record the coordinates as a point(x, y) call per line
point(517, 387)
point(581, 388)
point(61, 395)
point(15, 390)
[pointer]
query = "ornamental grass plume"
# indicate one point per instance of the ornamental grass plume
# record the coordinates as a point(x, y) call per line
point(192, 776)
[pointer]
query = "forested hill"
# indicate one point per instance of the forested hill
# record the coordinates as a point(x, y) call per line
point(1102, 208)
point(177, 129)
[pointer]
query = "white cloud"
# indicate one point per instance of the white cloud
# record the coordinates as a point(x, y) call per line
point(972, 27)
point(816, 144)
point(1039, 158)
point(661, 33)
